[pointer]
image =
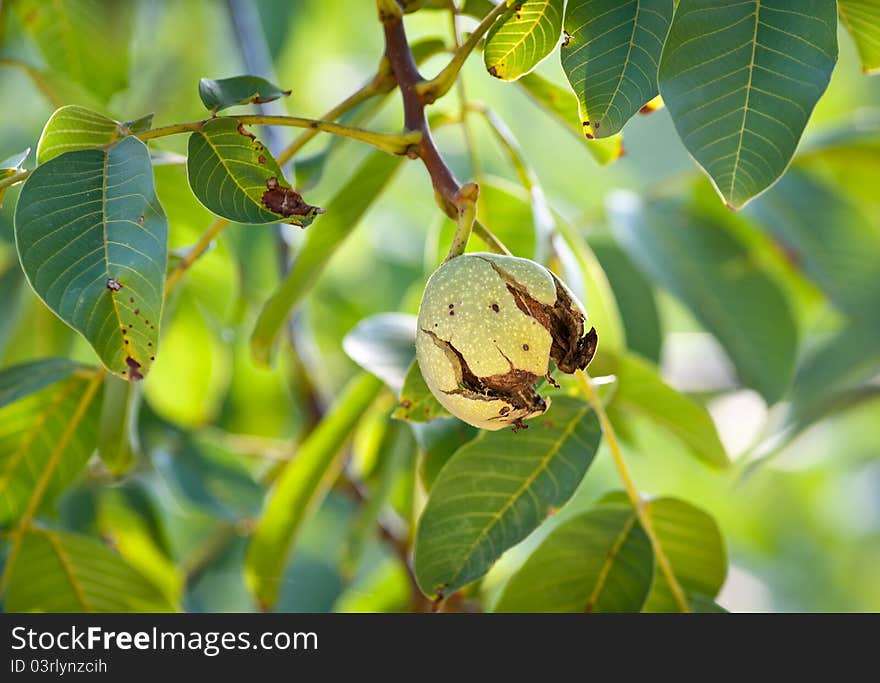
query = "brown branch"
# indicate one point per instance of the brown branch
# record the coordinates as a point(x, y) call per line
point(406, 73)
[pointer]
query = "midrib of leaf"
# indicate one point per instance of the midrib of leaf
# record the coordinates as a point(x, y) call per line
point(32, 433)
point(104, 222)
point(525, 34)
point(609, 562)
point(66, 567)
point(632, 40)
point(519, 492)
point(742, 128)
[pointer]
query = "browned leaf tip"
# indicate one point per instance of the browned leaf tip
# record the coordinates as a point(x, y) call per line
point(286, 201)
point(134, 369)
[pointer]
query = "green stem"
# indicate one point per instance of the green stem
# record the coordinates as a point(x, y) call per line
point(469, 139)
point(466, 201)
point(387, 142)
point(631, 491)
point(14, 179)
point(433, 90)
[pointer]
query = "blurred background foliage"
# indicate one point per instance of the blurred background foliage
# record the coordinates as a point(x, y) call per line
point(793, 280)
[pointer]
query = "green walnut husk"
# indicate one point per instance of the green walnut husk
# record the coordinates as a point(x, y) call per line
point(488, 328)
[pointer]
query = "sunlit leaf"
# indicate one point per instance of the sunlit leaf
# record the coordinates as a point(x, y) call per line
point(231, 173)
point(862, 20)
point(343, 213)
point(496, 490)
point(91, 236)
point(610, 55)
point(228, 92)
point(521, 39)
point(384, 345)
point(301, 486)
point(740, 81)
point(701, 261)
point(563, 106)
point(86, 40)
point(598, 561)
point(640, 391)
point(48, 430)
point(72, 128)
point(56, 571)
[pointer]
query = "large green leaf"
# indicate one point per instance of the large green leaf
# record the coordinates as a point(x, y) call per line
point(521, 39)
point(72, 127)
point(693, 545)
point(599, 561)
point(563, 106)
point(86, 40)
point(228, 92)
point(740, 80)
point(48, 430)
point(301, 486)
point(230, 172)
point(640, 391)
point(829, 236)
point(496, 490)
point(697, 257)
point(91, 236)
point(862, 20)
point(56, 571)
point(343, 213)
point(610, 56)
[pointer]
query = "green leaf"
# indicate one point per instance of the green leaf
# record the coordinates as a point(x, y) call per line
point(140, 125)
point(300, 488)
point(599, 561)
point(117, 432)
point(417, 403)
point(635, 299)
point(640, 391)
point(229, 171)
point(72, 128)
point(563, 106)
point(828, 236)
point(86, 40)
point(740, 81)
point(693, 545)
point(523, 38)
point(698, 259)
point(343, 213)
point(228, 92)
point(496, 490)
point(384, 345)
point(48, 430)
point(610, 57)
point(862, 20)
point(91, 236)
point(56, 571)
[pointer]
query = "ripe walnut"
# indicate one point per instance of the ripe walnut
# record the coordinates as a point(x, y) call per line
point(488, 328)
